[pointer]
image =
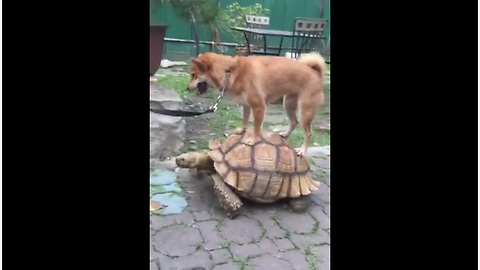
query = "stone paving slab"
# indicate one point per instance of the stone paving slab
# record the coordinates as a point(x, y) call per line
point(264, 236)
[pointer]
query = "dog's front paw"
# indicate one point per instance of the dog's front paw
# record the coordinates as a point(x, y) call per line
point(284, 134)
point(302, 151)
point(238, 131)
point(251, 140)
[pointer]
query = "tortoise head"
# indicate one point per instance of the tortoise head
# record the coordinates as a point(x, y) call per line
point(191, 159)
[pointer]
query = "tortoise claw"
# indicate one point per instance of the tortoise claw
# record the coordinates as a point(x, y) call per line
point(233, 214)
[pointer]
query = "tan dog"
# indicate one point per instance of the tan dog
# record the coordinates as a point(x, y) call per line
point(255, 81)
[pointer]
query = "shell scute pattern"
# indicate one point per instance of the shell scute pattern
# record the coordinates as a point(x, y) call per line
point(265, 172)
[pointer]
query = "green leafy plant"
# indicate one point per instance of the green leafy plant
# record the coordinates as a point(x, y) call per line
point(204, 11)
point(235, 16)
point(210, 14)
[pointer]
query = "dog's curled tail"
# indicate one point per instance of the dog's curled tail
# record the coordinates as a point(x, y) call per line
point(315, 61)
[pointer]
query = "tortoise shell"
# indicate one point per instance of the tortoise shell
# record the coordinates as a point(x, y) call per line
point(265, 172)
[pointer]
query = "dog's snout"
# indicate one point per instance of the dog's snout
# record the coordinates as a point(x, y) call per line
point(192, 86)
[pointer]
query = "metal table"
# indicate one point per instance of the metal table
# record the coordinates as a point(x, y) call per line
point(264, 33)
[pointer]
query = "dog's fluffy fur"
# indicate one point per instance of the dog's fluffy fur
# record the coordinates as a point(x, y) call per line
point(256, 81)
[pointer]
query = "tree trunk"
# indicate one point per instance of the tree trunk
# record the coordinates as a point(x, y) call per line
point(195, 34)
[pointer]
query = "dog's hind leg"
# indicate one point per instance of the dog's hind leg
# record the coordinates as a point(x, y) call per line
point(308, 107)
point(290, 104)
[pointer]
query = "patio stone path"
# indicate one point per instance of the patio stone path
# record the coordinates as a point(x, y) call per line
point(198, 235)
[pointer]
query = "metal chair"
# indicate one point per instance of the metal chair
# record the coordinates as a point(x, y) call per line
point(326, 50)
point(257, 44)
point(307, 34)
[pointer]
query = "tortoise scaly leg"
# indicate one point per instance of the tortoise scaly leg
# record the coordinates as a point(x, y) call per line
point(228, 199)
point(300, 204)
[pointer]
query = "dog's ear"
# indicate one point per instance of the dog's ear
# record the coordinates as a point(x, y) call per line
point(203, 66)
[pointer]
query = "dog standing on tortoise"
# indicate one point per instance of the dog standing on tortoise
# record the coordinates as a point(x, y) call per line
point(256, 81)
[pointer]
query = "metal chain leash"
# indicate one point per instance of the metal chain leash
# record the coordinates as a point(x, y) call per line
point(219, 98)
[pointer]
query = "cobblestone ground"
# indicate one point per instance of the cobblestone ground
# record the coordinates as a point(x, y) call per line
point(264, 236)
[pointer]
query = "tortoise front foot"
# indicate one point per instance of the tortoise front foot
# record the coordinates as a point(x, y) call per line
point(230, 202)
point(231, 214)
point(227, 198)
point(300, 204)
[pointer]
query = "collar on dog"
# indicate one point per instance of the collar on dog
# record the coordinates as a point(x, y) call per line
point(211, 109)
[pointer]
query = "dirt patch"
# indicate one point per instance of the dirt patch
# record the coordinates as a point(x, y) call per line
point(201, 129)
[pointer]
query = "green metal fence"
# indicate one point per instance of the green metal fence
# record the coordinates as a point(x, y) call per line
point(282, 13)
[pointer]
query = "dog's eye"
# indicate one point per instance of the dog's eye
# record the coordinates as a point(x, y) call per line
point(193, 75)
